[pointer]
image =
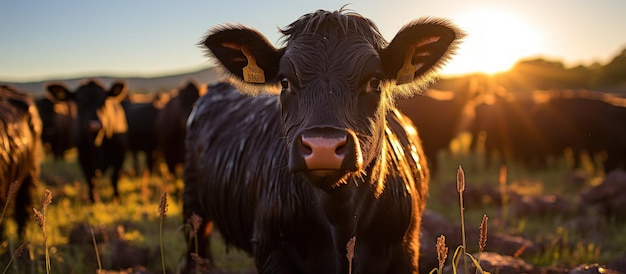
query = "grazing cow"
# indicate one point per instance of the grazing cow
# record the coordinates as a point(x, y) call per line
point(57, 119)
point(511, 127)
point(100, 130)
point(436, 130)
point(171, 122)
point(20, 133)
point(327, 177)
point(585, 122)
point(142, 134)
point(531, 131)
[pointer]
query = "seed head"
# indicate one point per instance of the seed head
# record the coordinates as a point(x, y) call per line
point(482, 241)
point(202, 263)
point(19, 250)
point(520, 250)
point(13, 190)
point(47, 199)
point(41, 219)
point(350, 252)
point(442, 250)
point(195, 220)
point(460, 180)
point(163, 206)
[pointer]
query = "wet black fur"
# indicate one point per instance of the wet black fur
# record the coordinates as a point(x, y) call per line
point(335, 72)
point(20, 148)
point(236, 176)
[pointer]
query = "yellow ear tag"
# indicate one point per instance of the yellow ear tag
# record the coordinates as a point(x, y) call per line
point(252, 73)
point(61, 95)
point(407, 72)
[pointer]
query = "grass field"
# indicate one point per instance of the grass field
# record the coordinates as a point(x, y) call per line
point(132, 227)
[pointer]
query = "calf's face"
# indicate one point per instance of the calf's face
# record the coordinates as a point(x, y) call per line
point(331, 104)
point(337, 78)
point(90, 98)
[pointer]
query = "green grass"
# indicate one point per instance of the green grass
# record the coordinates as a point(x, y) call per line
point(138, 215)
point(563, 248)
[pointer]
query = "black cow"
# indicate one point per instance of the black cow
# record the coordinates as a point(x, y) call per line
point(296, 179)
point(171, 122)
point(142, 134)
point(100, 130)
point(57, 119)
point(533, 131)
point(585, 123)
point(20, 133)
point(511, 126)
point(437, 119)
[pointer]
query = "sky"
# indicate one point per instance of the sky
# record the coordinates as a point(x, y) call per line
point(46, 40)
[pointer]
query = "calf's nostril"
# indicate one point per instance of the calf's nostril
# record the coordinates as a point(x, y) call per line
point(341, 147)
point(305, 147)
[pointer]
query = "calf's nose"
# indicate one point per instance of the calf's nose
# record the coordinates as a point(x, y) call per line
point(326, 148)
point(323, 152)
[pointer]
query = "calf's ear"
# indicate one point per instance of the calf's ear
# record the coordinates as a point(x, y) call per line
point(245, 54)
point(59, 92)
point(417, 51)
point(118, 90)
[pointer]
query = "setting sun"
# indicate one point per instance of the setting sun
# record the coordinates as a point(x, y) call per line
point(495, 40)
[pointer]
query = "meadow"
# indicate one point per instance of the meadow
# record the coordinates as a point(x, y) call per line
point(80, 237)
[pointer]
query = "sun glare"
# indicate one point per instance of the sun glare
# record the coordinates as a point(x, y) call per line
point(495, 40)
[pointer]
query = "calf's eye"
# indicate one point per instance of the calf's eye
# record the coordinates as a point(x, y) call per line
point(284, 83)
point(373, 85)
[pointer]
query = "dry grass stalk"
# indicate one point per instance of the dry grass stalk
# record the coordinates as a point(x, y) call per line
point(460, 186)
point(350, 252)
point(41, 220)
point(95, 247)
point(442, 251)
point(195, 221)
point(162, 214)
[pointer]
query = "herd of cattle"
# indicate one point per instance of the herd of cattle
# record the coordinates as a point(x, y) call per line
point(292, 179)
point(103, 125)
point(535, 130)
point(526, 130)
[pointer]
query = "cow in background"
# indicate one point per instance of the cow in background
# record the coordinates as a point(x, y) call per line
point(20, 150)
point(171, 123)
point(57, 118)
point(438, 116)
point(142, 133)
point(535, 128)
point(327, 167)
point(100, 131)
point(585, 122)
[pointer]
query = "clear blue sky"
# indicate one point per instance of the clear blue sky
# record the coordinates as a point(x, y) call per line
point(48, 39)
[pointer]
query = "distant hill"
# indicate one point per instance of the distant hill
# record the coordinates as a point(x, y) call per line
point(135, 84)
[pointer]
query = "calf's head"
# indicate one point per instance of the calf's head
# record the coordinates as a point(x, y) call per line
point(337, 78)
point(90, 99)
